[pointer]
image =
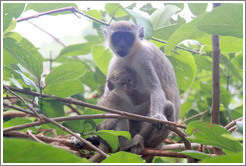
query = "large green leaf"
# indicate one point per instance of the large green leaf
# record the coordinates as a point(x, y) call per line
point(66, 72)
point(225, 20)
point(75, 50)
point(101, 57)
point(228, 158)
point(65, 88)
point(123, 157)
point(43, 7)
point(139, 18)
point(28, 59)
point(185, 69)
point(52, 108)
point(227, 43)
point(28, 151)
point(163, 16)
point(11, 10)
point(19, 121)
point(185, 31)
point(211, 134)
point(115, 9)
point(197, 8)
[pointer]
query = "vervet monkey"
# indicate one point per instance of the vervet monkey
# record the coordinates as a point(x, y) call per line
point(121, 96)
point(154, 72)
point(154, 75)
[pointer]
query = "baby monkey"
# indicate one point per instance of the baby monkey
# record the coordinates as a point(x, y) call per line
point(123, 95)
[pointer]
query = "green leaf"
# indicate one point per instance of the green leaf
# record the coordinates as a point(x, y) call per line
point(65, 88)
point(115, 9)
point(43, 7)
point(19, 74)
point(52, 108)
point(236, 72)
point(19, 121)
point(75, 50)
point(81, 126)
point(185, 107)
point(225, 20)
point(228, 158)
point(197, 8)
point(196, 154)
point(185, 69)
point(123, 157)
point(163, 16)
point(225, 96)
point(11, 10)
point(95, 14)
point(227, 43)
point(111, 137)
point(180, 5)
point(28, 151)
point(101, 57)
point(185, 31)
point(66, 72)
point(32, 62)
point(211, 134)
point(14, 35)
point(139, 18)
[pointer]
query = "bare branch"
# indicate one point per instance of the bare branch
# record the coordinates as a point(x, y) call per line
point(154, 152)
point(72, 9)
point(232, 123)
point(194, 116)
point(29, 132)
point(27, 105)
point(84, 104)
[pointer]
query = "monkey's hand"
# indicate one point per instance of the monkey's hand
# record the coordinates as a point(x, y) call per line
point(137, 144)
point(159, 125)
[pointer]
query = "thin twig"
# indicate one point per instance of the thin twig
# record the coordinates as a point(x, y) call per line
point(181, 146)
point(234, 128)
point(75, 135)
point(55, 38)
point(71, 8)
point(13, 114)
point(232, 123)
point(41, 117)
point(84, 104)
point(29, 132)
point(194, 116)
point(182, 48)
point(27, 105)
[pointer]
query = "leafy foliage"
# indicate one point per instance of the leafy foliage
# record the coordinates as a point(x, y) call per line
point(79, 71)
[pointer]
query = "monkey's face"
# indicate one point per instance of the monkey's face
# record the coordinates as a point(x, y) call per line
point(122, 42)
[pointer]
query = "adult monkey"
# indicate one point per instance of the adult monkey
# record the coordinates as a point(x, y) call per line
point(154, 72)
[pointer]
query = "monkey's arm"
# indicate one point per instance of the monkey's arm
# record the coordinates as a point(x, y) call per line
point(157, 95)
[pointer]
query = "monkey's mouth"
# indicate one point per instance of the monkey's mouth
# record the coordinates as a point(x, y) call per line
point(122, 53)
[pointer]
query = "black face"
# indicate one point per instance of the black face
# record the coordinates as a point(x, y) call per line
point(122, 42)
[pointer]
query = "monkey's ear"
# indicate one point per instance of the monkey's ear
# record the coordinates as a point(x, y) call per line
point(141, 32)
point(110, 86)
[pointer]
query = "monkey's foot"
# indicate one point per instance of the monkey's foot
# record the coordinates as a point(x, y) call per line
point(138, 144)
point(160, 125)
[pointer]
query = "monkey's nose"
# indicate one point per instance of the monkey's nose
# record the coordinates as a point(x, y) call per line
point(122, 53)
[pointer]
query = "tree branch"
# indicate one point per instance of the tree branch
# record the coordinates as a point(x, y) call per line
point(41, 118)
point(71, 8)
point(232, 123)
point(80, 103)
